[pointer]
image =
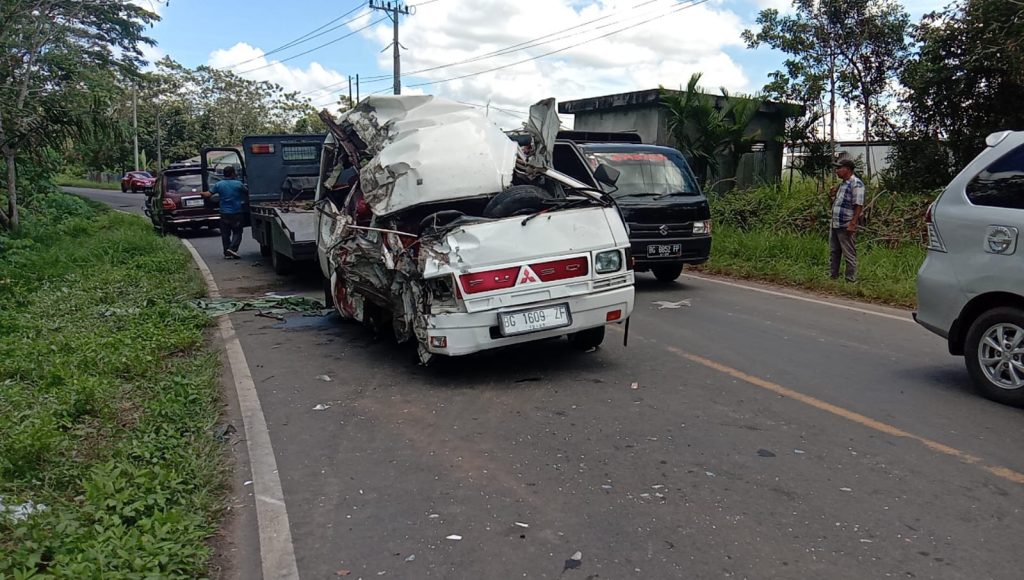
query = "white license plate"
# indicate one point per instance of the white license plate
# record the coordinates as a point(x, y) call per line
point(194, 202)
point(664, 250)
point(523, 321)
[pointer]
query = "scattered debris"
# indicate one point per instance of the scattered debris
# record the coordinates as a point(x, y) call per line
point(411, 558)
point(20, 512)
point(574, 562)
point(247, 483)
point(454, 537)
point(224, 432)
point(799, 451)
point(634, 386)
point(273, 306)
point(325, 378)
point(321, 407)
point(765, 453)
point(663, 305)
point(710, 474)
point(845, 489)
point(343, 572)
point(522, 525)
point(432, 516)
point(659, 486)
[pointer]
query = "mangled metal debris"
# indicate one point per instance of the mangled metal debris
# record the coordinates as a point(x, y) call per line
point(435, 226)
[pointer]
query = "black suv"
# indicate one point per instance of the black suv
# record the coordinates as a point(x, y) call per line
point(669, 218)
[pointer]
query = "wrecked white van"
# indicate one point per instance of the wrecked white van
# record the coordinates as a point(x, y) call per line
point(434, 226)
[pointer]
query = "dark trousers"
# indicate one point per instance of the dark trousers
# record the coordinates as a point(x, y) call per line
point(843, 244)
point(231, 231)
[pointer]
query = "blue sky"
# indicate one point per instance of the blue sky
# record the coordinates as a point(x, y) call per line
point(675, 41)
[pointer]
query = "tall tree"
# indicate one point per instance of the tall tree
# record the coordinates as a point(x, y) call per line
point(967, 78)
point(52, 53)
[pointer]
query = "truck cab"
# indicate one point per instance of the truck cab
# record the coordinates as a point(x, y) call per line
point(668, 216)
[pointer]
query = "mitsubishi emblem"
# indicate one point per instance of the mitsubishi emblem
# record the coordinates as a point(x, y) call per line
point(664, 230)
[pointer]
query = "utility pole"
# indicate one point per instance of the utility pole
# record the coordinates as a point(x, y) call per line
point(350, 103)
point(135, 124)
point(394, 10)
point(357, 88)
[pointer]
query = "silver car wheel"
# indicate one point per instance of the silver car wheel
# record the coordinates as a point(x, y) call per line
point(1001, 355)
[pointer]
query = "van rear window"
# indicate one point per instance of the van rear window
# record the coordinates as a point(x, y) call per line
point(300, 153)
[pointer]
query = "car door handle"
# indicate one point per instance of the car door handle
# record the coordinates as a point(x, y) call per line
point(1001, 240)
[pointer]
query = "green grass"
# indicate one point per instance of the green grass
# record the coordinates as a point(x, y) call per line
point(885, 274)
point(68, 181)
point(108, 398)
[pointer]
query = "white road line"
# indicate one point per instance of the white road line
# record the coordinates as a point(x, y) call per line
point(802, 298)
point(277, 553)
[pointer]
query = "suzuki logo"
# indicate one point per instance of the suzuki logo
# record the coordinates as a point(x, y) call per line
point(664, 230)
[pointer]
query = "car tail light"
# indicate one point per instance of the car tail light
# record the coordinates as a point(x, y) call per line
point(261, 148)
point(490, 280)
point(169, 204)
point(562, 269)
point(613, 316)
point(934, 240)
point(439, 341)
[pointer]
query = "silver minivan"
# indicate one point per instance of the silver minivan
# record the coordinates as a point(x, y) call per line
point(970, 288)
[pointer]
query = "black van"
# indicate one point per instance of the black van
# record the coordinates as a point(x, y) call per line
point(669, 218)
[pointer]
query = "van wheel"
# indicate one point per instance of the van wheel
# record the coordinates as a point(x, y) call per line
point(587, 339)
point(994, 353)
point(282, 264)
point(667, 273)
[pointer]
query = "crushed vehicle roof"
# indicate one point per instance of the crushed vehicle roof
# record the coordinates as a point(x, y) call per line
point(424, 149)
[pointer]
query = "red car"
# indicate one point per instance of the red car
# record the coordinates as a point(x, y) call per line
point(137, 181)
point(178, 204)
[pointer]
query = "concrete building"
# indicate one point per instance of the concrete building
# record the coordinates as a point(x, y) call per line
point(642, 112)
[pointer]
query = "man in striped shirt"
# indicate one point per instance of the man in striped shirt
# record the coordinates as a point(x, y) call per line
point(847, 204)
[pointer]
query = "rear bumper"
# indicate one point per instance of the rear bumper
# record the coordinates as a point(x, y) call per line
point(193, 220)
point(467, 333)
point(695, 250)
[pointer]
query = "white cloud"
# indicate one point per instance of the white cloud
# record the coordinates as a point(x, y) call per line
point(665, 51)
point(320, 84)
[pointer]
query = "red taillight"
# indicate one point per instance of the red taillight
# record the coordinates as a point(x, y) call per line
point(490, 280)
point(561, 269)
point(261, 148)
point(169, 203)
point(613, 316)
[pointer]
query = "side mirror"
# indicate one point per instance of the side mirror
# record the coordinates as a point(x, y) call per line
point(606, 174)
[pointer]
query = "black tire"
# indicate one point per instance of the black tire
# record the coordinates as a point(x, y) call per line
point(265, 250)
point(328, 294)
point(124, 188)
point(517, 200)
point(667, 273)
point(134, 190)
point(587, 339)
point(282, 264)
point(975, 335)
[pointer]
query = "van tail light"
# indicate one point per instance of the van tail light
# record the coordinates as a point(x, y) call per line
point(934, 240)
point(261, 148)
point(169, 204)
point(630, 261)
point(489, 281)
point(562, 269)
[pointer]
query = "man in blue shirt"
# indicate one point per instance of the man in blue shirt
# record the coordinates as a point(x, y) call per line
point(847, 206)
point(232, 194)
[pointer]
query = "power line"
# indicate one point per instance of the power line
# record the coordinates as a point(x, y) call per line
point(306, 37)
point(522, 45)
point(340, 38)
point(578, 44)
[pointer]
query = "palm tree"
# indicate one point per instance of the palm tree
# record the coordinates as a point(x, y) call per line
point(708, 132)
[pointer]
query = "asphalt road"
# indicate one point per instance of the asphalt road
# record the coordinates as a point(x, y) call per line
point(741, 434)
